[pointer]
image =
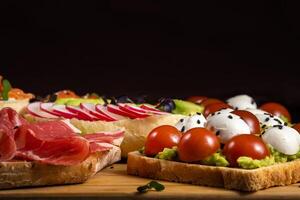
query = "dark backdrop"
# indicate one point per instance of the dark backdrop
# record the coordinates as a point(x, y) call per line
point(168, 48)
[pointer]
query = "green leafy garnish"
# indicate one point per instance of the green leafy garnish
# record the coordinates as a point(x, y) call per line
point(151, 185)
point(6, 88)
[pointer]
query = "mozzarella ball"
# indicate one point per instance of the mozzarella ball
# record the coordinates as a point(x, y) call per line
point(194, 121)
point(267, 120)
point(283, 138)
point(242, 102)
point(227, 125)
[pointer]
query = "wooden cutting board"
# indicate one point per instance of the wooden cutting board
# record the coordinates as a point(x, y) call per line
point(113, 183)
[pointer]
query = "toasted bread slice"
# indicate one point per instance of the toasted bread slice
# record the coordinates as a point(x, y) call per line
point(229, 178)
point(17, 105)
point(15, 173)
point(136, 130)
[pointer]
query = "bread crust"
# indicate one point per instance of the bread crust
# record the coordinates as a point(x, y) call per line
point(14, 174)
point(229, 178)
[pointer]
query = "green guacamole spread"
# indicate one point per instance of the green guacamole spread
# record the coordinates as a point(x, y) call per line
point(217, 159)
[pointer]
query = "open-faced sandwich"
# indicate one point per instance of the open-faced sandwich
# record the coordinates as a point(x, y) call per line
point(93, 114)
point(233, 145)
point(13, 97)
point(51, 152)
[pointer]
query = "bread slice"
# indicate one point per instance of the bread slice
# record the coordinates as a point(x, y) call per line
point(136, 130)
point(15, 173)
point(17, 105)
point(229, 178)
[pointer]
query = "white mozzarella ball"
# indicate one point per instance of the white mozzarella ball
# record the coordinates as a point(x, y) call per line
point(283, 138)
point(227, 126)
point(222, 111)
point(267, 120)
point(242, 102)
point(181, 124)
point(195, 121)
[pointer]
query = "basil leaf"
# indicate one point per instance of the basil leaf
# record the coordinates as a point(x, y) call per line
point(6, 89)
point(151, 185)
point(156, 185)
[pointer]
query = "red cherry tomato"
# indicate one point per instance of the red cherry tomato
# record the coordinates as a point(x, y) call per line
point(245, 145)
point(297, 127)
point(196, 99)
point(161, 137)
point(250, 119)
point(214, 108)
point(210, 101)
point(197, 144)
point(276, 109)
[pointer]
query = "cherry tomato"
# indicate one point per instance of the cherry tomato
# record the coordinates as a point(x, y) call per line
point(210, 101)
point(297, 127)
point(161, 137)
point(214, 108)
point(196, 99)
point(245, 145)
point(197, 144)
point(250, 119)
point(276, 109)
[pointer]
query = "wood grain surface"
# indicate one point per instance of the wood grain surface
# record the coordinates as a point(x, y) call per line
point(113, 183)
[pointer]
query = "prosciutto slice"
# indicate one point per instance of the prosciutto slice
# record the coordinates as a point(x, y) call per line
point(104, 140)
point(9, 122)
point(52, 142)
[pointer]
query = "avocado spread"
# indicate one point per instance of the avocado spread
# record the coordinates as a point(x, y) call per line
point(77, 101)
point(186, 107)
point(217, 159)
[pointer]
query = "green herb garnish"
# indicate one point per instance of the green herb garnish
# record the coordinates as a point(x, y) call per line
point(151, 185)
point(6, 88)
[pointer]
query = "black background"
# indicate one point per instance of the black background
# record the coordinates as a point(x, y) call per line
point(159, 48)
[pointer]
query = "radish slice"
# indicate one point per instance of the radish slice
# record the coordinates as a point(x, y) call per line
point(34, 109)
point(63, 112)
point(91, 108)
point(48, 107)
point(116, 110)
point(134, 111)
point(152, 110)
point(81, 114)
point(103, 110)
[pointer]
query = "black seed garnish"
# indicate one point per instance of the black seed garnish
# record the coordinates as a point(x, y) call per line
point(218, 132)
point(252, 102)
point(182, 129)
point(218, 113)
point(181, 120)
point(263, 132)
point(230, 116)
point(266, 114)
point(278, 126)
point(198, 121)
point(236, 108)
point(277, 120)
point(213, 114)
point(267, 119)
point(199, 113)
point(264, 126)
point(285, 123)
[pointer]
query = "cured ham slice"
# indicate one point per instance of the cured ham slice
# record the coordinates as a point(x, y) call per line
point(51, 142)
point(104, 140)
point(9, 121)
